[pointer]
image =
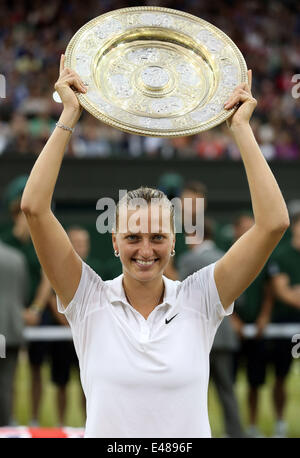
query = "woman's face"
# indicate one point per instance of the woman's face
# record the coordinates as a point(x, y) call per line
point(144, 242)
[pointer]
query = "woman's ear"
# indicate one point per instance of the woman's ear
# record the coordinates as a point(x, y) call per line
point(114, 240)
point(174, 241)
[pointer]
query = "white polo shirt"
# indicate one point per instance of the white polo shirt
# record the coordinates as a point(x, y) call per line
point(145, 378)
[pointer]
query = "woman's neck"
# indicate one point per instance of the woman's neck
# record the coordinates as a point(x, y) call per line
point(143, 296)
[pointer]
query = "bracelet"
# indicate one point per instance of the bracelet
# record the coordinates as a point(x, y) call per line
point(62, 126)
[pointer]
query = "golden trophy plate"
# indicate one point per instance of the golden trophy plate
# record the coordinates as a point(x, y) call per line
point(155, 71)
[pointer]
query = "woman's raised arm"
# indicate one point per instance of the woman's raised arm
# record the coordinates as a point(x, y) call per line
point(55, 252)
point(242, 263)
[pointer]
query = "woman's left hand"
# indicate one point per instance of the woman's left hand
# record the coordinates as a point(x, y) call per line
point(242, 96)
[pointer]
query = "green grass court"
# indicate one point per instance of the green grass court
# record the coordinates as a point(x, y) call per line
point(75, 418)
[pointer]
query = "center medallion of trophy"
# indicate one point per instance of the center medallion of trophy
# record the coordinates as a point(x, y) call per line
point(155, 78)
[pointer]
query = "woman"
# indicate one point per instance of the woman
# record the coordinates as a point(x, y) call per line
point(143, 341)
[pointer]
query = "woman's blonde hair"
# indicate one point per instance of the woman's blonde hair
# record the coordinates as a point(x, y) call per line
point(148, 195)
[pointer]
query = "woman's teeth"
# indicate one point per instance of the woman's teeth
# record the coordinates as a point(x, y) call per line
point(144, 263)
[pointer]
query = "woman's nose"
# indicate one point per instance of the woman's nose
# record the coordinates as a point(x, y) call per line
point(146, 250)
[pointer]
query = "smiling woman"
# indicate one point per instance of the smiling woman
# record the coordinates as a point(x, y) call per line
point(143, 340)
point(144, 239)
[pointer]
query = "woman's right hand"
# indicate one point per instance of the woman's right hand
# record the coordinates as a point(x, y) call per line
point(67, 84)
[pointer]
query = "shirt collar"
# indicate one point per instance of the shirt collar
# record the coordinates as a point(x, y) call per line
point(116, 291)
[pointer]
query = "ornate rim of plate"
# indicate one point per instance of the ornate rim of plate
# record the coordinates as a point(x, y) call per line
point(156, 71)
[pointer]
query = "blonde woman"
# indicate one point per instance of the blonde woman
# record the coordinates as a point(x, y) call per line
point(142, 340)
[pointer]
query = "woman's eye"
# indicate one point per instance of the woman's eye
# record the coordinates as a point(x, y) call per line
point(131, 237)
point(158, 237)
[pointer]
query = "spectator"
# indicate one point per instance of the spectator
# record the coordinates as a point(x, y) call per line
point(172, 185)
point(286, 148)
point(18, 139)
point(39, 288)
point(37, 101)
point(225, 342)
point(284, 268)
point(92, 141)
point(13, 297)
point(253, 307)
point(61, 352)
point(210, 146)
point(62, 357)
point(80, 239)
point(266, 140)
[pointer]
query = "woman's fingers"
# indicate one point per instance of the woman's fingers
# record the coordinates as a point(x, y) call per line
point(75, 75)
point(65, 71)
point(250, 79)
point(241, 88)
point(61, 64)
point(241, 97)
point(244, 87)
point(75, 82)
point(234, 97)
point(71, 80)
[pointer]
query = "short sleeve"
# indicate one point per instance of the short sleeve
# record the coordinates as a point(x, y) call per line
point(86, 299)
point(203, 295)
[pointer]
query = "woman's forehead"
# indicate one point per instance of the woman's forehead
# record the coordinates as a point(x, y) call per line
point(150, 219)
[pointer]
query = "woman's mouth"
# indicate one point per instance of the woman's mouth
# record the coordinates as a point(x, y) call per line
point(145, 264)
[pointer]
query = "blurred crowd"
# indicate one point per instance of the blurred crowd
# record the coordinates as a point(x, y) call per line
point(33, 34)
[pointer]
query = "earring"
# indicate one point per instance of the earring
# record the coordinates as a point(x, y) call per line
point(173, 253)
point(116, 254)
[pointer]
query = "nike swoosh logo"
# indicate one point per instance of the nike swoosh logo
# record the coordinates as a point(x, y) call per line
point(168, 321)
